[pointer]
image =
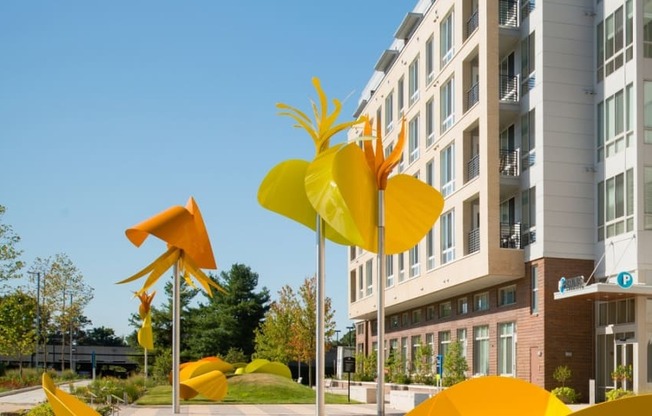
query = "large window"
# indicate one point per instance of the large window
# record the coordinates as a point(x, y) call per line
point(413, 142)
point(401, 267)
point(446, 39)
point(529, 217)
point(413, 81)
point(528, 139)
point(445, 310)
point(447, 170)
point(370, 276)
point(444, 342)
point(462, 306)
point(647, 96)
point(430, 249)
point(616, 118)
point(647, 29)
point(414, 261)
point(447, 105)
point(360, 282)
point(401, 96)
point(506, 349)
point(389, 112)
point(507, 295)
point(528, 53)
point(481, 350)
point(481, 302)
point(389, 271)
point(534, 285)
point(430, 61)
point(647, 195)
point(447, 222)
point(616, 205)
point(430, 122)
point(430, 174)
point(461, 338)
point(613, 35)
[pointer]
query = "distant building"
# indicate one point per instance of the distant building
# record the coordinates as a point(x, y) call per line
point(534, 120)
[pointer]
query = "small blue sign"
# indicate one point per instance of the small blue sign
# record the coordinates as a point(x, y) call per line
point(561, 285)
point(625, 280)
point(440, 364)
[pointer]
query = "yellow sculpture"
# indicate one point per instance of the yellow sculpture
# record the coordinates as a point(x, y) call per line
point(62, 403)
point(184, 231)
point(268, 367)
point(206, 377)
point(145, 336)
point(507, 396)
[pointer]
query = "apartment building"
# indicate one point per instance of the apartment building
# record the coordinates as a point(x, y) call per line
point(534, 120)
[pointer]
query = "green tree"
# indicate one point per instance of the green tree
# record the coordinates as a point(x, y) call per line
point(455, 365)
point(65, 295)
point(10, 263)
point(100, 336)
point(273, 339)
point(230, 319)
point(17, 330)
point(305, 327)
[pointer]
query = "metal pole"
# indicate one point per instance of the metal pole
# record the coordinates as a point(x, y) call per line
point(321, 276)
point(38, 315)
point(145, 363)
point(380, 355)
point(63, 337)
point(176, 337)
point(71, 328)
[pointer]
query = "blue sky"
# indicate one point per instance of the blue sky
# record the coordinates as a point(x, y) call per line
point(113, 111)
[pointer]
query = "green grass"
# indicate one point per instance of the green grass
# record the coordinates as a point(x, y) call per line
point(249, 389)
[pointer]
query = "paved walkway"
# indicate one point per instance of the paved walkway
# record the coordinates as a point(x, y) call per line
point(261, 410)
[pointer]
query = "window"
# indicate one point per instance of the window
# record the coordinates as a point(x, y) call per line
point(430, 167)
point(647, 196)
point(360, 283)
point(647, 96)
point(528, 214)
point(445, 310)
point(444, 342)
point(430, 62)
point(447, 237)
point(401, 267)
point(405, 319)
point(416, 344)
point(647, 29)
point(389, 270)
point(481, 301)
point(506, 350)
point(404, 353)
point(447, 163)
point(447, 105)
point(481, 350)
point(446, 35)
point(616, 112)
point(401, 96)
point(534, 284)
point(393, 321)
point(389, 112)
point(414, 261)
point(430, 122)
point(430, 249)
point(413, 141)
point(528, 139)
point(416, 316)
point(629, 30)
point(430, 341)
point(622, 311)
point(430, 313)
point(461, 338)
point(616, 205)
point(528, 53)
point(370, 276)
point(599, 128)
point(413, 81)
point(599, 53)
point(462, 306)
point(507, 295)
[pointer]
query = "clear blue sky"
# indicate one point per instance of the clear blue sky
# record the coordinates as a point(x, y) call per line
point(113, 111)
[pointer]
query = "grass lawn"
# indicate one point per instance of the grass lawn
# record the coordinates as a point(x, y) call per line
point(249, 389)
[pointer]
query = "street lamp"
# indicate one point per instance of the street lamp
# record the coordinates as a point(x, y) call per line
point(337, 337)
point(350, 328)
point(38, 313)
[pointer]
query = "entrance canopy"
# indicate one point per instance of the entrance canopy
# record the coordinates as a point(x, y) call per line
point(602, 291)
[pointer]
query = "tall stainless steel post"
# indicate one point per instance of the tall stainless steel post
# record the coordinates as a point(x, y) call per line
point(176, 336)
point(380, 391)
point(320, 356)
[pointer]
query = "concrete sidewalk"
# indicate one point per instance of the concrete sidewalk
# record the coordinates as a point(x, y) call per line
point(260, 410)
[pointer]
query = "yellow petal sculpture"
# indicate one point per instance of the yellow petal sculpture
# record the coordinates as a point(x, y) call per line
point(632, 405)
point(264, 366)
point(184, 231)
point(145, 335)
point(283, 190)
point(62, 403)
point(350, 207)
point(205, 377)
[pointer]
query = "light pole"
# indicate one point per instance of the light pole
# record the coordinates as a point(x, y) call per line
point(38, 314)
point(350, 328)
point(337, 337)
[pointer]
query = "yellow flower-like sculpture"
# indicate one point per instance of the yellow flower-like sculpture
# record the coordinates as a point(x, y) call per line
point(286, 187)
point(506, 396)
point(205, 377)
point(184, 231)
point(62, 403)
point(145, 336)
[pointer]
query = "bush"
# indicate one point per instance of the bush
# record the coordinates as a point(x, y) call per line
point(163, 365)
point(365, 367)
point(455, 365)
point(42, 409)
point(566, 394)
point(616, 394)
point(562, 374)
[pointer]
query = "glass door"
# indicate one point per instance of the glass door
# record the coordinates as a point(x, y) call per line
point(624, 365)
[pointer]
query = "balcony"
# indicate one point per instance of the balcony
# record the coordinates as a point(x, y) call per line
point(509, 163)
point(473, 167)
point(508, 13)
point(472, 23)
point(529, 235)
point(508, 88)
point(472, 96)
point(474, 240)
point(510, 235)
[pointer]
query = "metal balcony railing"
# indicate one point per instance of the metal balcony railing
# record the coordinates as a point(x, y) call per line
point(508, 88)
point(472, 23)
point(474, 240)
point(472, 95)
point(510, 235)
point(509, 160)
point(529, 235)
point(508, 13)
point(473, 167)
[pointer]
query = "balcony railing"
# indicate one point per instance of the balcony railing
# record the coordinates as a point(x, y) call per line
point(510, 235)
point(473, 167)
point(472, 95)
point(509, 163)
point(472, 23)
point(508, 88)
point(474, 240)
point(529, 235)
point(508, 13)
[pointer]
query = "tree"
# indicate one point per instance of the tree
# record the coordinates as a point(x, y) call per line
point(100, 336)
point(17, 330)
point(455, 365)
point(10, 263)
point(274, 337)
point(305, 328)
point(65, 295)
point(230, 319)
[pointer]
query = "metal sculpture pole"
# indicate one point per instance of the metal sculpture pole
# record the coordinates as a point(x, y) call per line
point(380, 321)
point(320, 356)
point(176, 336)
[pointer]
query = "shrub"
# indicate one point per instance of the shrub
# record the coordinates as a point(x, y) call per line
point(616, 394)
point(455, 365)
point(365, 367)
point(163, 365)
point(42, 409)
point(566, 394)
point(562, 374)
